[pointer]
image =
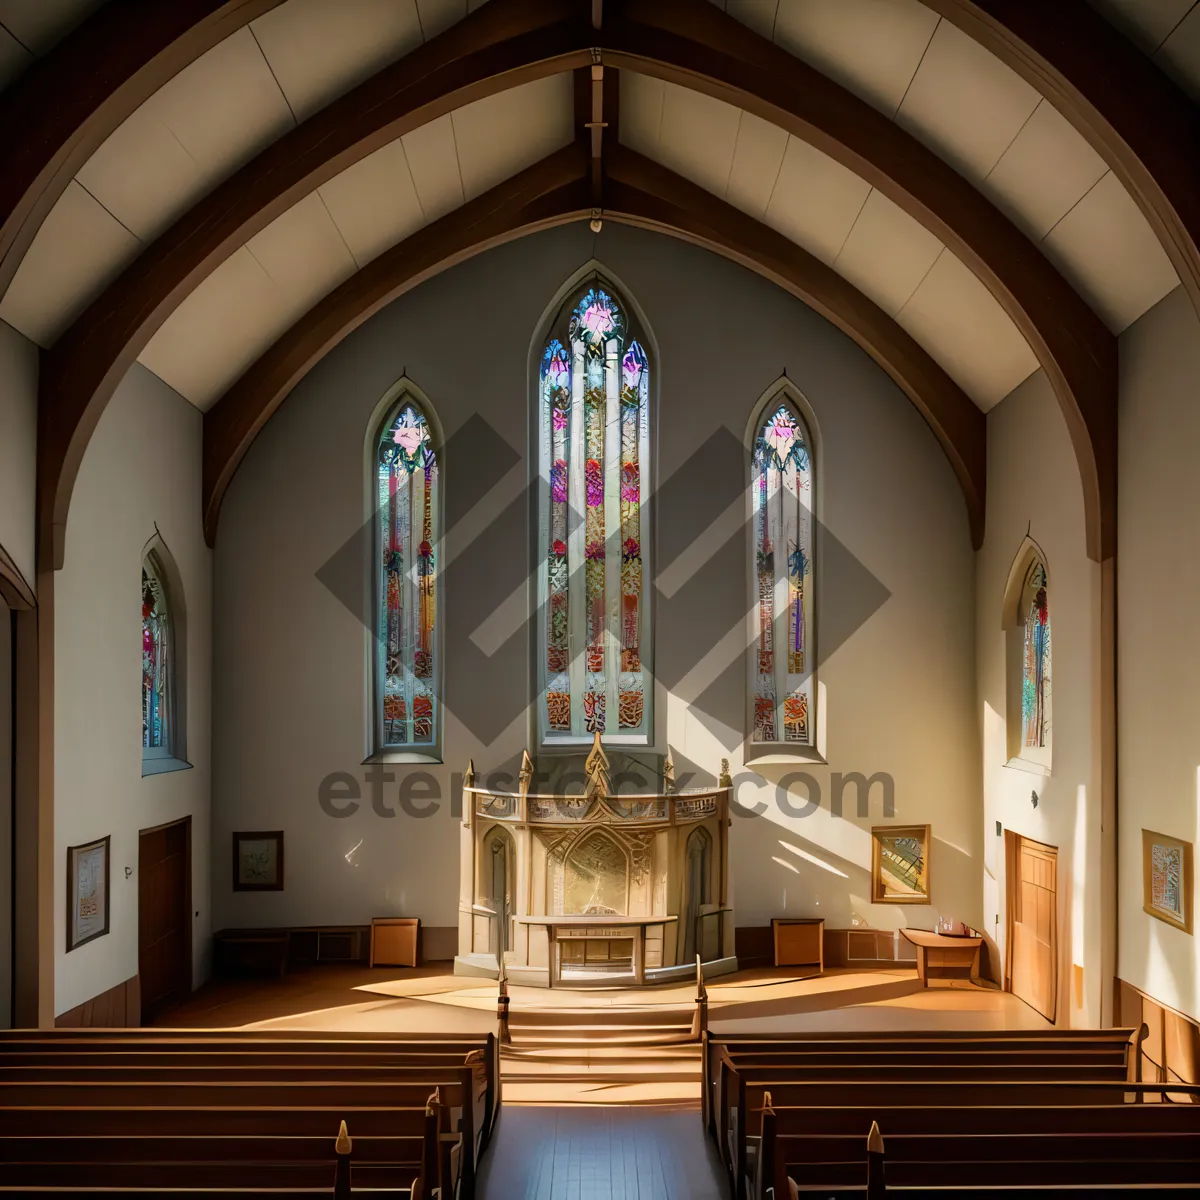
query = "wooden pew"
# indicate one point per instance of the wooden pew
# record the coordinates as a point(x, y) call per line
point(271, 1050)
point(827, 1151)
point(212, 1160)
point(1108, 1046)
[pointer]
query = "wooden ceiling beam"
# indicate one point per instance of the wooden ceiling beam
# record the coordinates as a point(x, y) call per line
point(554, 191)
point(557, 191)
point(1143, 126)
point(699, 47)
point(499, 46)
point(61, 110)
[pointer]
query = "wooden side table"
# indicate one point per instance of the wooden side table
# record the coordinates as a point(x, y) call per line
point(942, 957)
point(394, 941)
point(799, 942)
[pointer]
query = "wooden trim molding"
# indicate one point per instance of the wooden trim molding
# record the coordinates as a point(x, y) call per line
point(14, 588)
point(1146, 129)
point(61, 110)
point(508, 42)
point(558, 191)
point(118, 1008)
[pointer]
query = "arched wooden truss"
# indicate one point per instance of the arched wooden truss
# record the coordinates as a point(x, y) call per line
point(507, 42)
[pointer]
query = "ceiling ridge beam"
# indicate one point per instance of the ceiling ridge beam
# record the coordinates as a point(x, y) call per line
point(554, 191)
point(557, 191)
point(1144, 127)
point(499, 46)
point(60, 111)
point(698, 46)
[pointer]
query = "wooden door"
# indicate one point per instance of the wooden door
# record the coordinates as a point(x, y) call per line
point(164, 916)
point(1033, 924)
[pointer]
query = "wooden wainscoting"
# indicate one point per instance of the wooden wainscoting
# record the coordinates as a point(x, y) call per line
point(119, 1007)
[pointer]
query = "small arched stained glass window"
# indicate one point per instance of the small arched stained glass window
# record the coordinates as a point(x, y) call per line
point(1035, 679)
point(407, 521)
point(157, 665)
point(594, 400)
point(782, 660)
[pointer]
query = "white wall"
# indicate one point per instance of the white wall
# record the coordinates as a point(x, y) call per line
point(1034, 487)
point(1158, 581)
point(141, 468)
point(290, 679)
point(18, 447)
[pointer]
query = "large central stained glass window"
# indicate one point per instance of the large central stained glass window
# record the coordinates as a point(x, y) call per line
point(407, 666)
point(594, 419)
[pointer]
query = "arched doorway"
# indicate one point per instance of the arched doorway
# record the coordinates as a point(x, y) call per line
point(698, 882)
point(499, 864)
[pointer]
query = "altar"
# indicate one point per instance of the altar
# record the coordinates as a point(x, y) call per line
point(594, 888)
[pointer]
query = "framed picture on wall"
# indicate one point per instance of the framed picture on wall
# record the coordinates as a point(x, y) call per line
point(87, 892)
point(900, 864)
point(258, 861)
point(1167, 879)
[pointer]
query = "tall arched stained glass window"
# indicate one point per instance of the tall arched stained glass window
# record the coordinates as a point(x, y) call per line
point(594, 417)
point(781, 683)
point(158, 667)
point(407, 665)
point(1035, 674)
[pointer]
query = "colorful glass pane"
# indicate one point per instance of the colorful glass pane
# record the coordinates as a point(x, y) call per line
point(407, 599)
point(782, 513)
point(594, 396)
point(156, 663)
point(1035, 681)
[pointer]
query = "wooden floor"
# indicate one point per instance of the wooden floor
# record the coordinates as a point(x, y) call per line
point(602, 1153)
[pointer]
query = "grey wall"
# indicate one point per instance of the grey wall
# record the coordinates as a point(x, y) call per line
point(6, 814)
point(898, 693)
point(1158, 580)
point(141, 470)
point(18, 447)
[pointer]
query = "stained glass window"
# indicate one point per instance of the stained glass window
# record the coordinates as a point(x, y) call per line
point(407, 520)
point(782, 665)
point(157, 667)
point(594, 400)
point(1035, 678)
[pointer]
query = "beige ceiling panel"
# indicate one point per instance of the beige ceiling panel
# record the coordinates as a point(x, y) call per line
point(872, 47)
point(433, 161)
point(964, 103)
point(303, 253)
point(438, 15)
point(499, 136)
point(759, 15)
point(756, 162)
point(1044, 172)
point(320, 50)
point(960, 323)
point(374, 203)
point(38, 24)
point(1107, 250)
point(1180, 54)
point(698, 136)
point(142, 175)
point(79, 249)
point(224, 108)
point(1146, 22)
point(816, 200)
point(218, 331)
point(641, 112)
point(887, 253)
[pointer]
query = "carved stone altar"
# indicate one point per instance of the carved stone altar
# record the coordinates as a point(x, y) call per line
point(657, 864)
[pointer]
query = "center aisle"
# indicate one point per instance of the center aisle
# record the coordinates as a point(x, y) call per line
point(601, 1152)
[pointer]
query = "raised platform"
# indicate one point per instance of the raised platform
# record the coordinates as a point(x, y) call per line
point(484, 966)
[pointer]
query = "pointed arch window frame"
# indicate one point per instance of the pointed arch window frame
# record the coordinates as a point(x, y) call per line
point(1035, 759)
point(159, 565)
point(403, 394)
point(783, 393)
point(634, 331)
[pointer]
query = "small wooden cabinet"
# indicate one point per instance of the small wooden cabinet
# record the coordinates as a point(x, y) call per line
point(394, 941)
point(799, 942)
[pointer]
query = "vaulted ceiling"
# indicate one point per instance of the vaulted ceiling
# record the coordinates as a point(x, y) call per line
point(917, 69)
